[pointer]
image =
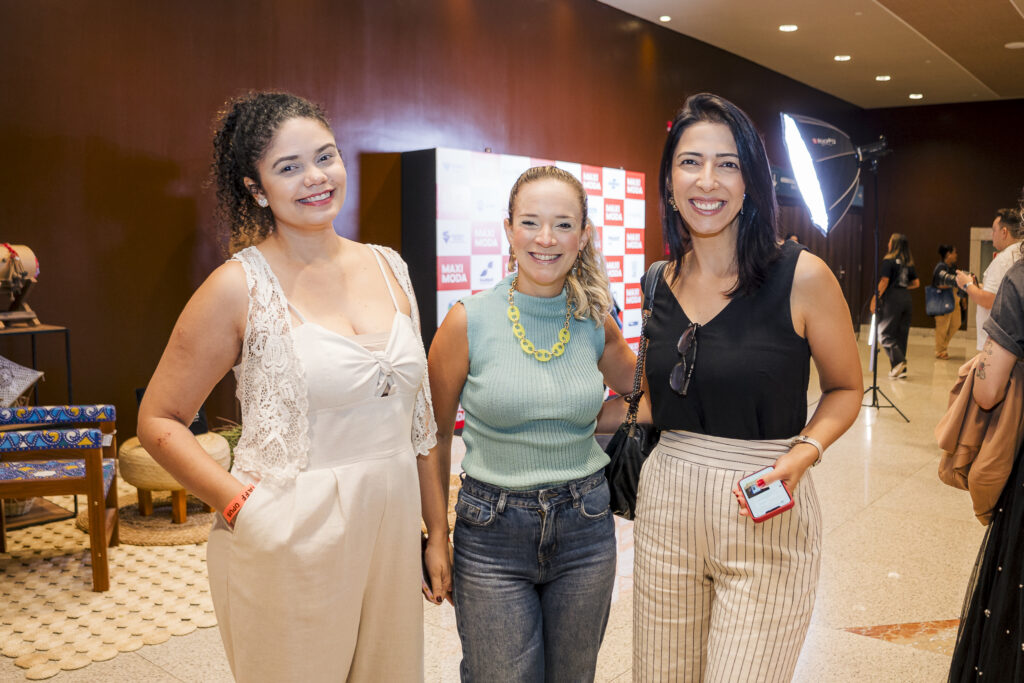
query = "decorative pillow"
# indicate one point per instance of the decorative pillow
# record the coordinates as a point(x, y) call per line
point(15, 380)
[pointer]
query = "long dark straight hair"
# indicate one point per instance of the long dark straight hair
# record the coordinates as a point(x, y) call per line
point(757, 245)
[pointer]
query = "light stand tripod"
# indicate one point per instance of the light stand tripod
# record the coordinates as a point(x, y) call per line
point(827, 167)
point(874, 388)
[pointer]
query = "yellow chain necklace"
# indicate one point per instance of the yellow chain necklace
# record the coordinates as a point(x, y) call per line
point(528, 347)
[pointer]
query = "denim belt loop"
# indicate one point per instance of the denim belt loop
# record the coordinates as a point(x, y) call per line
point(501, 501)
point(574, 489)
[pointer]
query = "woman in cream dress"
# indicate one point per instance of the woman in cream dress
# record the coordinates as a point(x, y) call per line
point(317, 575)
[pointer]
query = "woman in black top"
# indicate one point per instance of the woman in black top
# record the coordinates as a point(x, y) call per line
point(946, 324)
point(990, 642)
point(736, 320)
point(898, 276)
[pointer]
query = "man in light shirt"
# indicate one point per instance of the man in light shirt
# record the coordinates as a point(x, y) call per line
point(1006, 236)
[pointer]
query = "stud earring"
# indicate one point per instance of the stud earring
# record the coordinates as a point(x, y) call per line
point(262, 201)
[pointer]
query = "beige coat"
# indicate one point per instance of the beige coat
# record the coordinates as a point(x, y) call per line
point(978, 445)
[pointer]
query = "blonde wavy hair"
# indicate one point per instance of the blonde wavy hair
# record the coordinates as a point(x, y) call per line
point(587, 289)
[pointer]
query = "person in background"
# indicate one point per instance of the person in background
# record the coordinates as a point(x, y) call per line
point(315, 562)
point(1006, 237)
point(737, 319)
point(946, 324)
point(990, 640)
point(898, 277)
point(534, 536)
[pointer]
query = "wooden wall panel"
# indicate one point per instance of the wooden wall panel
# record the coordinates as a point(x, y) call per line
point(106, 115)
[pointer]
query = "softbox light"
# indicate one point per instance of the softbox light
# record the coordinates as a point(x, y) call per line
point(826, 165)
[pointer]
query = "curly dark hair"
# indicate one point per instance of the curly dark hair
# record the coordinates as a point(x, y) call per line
point(756, 240)
point(245, 128)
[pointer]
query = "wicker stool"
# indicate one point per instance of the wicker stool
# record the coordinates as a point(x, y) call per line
point(139, 469)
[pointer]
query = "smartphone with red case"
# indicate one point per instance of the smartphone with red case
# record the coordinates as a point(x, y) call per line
point(764, 502)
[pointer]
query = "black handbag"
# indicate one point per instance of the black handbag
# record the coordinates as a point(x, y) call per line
point(632, 443)
point(938, 301)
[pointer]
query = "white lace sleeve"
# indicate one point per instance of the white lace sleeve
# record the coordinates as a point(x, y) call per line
point(271, 382)
point(424, 428)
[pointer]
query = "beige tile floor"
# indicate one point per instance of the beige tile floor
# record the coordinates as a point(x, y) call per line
point(898, 548)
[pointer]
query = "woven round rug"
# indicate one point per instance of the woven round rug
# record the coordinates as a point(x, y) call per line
point(51, 620)
point(157, 529)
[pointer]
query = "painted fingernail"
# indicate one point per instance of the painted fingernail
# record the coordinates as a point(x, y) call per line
point(760, 482)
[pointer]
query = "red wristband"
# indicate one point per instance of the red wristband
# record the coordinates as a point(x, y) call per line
point(231, 511)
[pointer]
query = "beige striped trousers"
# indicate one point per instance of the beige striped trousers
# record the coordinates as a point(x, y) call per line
point(716, 596)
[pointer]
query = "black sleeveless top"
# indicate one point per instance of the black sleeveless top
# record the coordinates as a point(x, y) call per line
point(752, 368)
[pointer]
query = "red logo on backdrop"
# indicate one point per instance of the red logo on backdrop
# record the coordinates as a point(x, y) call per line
point(614, 264)
point(634, 185)
point(634, 240)
point(634, 296)
point(453, 272)
point(592, 180)
point(486, 238)
point(613, 212)
point(598, 236)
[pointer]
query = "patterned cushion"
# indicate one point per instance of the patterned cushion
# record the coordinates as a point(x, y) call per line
point(47, 439)
point(57, 414)
point(54, 469)
point(15, 380)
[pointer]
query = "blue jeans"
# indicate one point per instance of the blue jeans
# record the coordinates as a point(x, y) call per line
point(533, 578)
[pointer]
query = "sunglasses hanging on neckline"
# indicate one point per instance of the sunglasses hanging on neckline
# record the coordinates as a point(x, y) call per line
point(682, 372)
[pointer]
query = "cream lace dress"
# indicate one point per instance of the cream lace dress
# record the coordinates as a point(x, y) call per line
point(320, 578)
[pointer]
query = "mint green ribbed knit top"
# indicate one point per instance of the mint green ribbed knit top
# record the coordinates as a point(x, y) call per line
point(530, 423)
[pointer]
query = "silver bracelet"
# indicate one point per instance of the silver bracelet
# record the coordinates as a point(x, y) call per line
point(803, 438)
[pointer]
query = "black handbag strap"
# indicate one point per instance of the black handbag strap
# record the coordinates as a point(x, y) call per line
point(650, 287)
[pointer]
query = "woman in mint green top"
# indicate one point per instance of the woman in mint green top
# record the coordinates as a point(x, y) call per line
point(530, 423)
point(534, 561)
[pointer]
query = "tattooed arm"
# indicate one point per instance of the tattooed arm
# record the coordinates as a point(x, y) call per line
point(992, 374)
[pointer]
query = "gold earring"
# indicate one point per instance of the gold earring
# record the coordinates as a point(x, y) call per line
point(511, 260)
point(672, 203)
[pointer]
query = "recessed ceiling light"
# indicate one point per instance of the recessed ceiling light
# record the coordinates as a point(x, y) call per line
point(664, 17)
point(842, 58)
point(788, 28)
point(883, 77)
point(1015, 45)
point(915, 96)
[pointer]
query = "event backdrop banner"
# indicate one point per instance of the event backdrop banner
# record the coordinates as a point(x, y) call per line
point(454, 203)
